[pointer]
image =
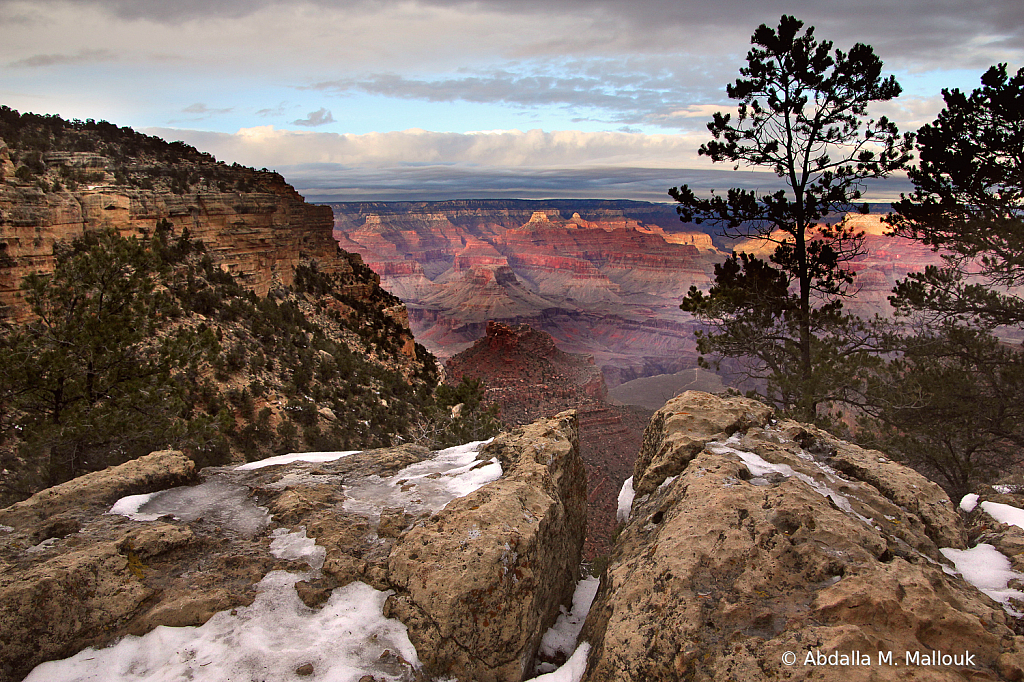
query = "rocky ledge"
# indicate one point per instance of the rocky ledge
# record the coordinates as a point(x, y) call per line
point(476, 580)
point(757, 550)
point(752, 549)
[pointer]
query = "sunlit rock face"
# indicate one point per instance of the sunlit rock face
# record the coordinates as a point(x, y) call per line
point(752, 544)
point(464, 555)
point(600, 280)
point(259, 236)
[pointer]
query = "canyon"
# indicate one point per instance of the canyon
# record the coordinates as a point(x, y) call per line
point(603, 278)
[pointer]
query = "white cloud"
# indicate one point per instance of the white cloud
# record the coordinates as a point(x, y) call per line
point(420, 165)
point(268, 146)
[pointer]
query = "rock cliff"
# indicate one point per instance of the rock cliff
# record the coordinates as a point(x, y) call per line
point(301, 347)
point(602, 278)
point(258, 234)
point(529, 377)
point(476, 582)
point(759, 550)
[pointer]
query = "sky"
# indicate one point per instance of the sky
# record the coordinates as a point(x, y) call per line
point(442, 99)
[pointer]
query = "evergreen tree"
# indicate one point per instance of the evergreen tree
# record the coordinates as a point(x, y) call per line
point(969, 202)
point(952, 401)
point(93, 379)
point(803, 114)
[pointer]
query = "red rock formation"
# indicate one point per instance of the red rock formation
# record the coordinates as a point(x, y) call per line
point(529, 377)
point(606, 284)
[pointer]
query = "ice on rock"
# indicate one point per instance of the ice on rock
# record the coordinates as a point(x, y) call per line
point(426, 486)
point(225, 504)
point(297, 547)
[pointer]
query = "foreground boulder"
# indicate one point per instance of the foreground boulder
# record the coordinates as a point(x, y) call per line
point(479, 583)
point(756, 550)
point(476, 582)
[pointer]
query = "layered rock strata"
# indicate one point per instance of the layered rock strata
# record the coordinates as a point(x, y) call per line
point(757, 549)
point(528, 376)
point(606, 284)
point(476, 582)
point(259, 233)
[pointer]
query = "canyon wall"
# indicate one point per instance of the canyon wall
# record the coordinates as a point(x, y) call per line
point(602, 278)
point(257, 235)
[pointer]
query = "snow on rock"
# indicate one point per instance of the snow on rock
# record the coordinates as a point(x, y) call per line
point(478, 581)
point(625, 501)
point(216, 500)
point(426, 486)
point(561, 637)
point(314, 457)
point(781, 538)
point(989, 570)
point(272, 639)
point(572, 671)
point(1004, 513)
point(969, 502)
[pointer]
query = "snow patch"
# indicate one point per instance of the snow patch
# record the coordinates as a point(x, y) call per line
point(1004, 513)
point(315, 457)
point(758, 466)
point(989, 570)
point(625, 501)
point(225, 504)
point(573, 669)
point(425, 486)
point(297, 547)
point(344, 640)
point(969, 502)
point(562, 636)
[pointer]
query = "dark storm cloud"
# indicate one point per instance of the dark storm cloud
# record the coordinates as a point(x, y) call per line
point(964, 32)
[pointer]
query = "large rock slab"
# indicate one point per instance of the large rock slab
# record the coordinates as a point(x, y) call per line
point(753, 545)
point(480, 582)
point(491, 569)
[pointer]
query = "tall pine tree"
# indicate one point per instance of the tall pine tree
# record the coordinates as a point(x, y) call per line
point(802, 114)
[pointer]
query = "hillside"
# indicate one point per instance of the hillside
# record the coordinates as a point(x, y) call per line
point(154, 297)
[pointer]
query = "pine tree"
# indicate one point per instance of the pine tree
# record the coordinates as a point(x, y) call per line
point(952, 401)
point(802, 114)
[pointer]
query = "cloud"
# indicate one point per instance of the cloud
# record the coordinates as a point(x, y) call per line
point(421, 165)
point(202, 109)
point(315, 118)
point(622, 92)
point(268, 146)
point(80, 57)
